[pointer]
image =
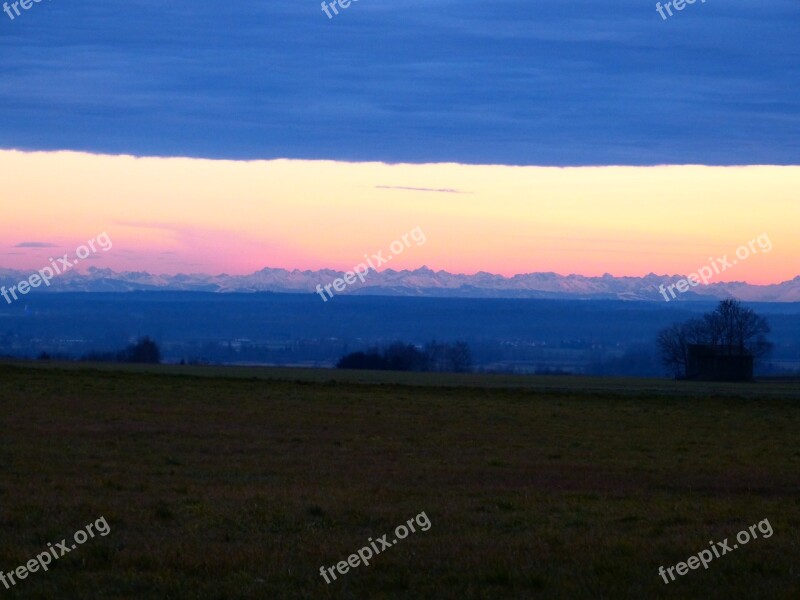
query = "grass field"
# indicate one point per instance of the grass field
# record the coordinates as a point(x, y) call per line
point(241, 483)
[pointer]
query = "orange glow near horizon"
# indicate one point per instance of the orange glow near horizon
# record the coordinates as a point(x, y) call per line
point(181, 215)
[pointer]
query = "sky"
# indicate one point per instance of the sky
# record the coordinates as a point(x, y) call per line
point(573, 136)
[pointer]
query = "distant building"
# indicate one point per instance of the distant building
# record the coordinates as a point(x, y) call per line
point(718, 363)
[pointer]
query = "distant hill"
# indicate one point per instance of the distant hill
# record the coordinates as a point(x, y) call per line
point(419, 282)
point(601, 337)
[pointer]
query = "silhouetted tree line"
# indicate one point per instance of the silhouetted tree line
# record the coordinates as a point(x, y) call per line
point(144, 351)
point(434, 356)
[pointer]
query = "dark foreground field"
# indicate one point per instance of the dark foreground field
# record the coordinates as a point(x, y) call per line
point(243, 486)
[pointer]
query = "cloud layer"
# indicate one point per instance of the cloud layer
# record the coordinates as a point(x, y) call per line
point(508, 82)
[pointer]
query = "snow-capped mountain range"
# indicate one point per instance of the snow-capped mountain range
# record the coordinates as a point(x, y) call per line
point(419, 282)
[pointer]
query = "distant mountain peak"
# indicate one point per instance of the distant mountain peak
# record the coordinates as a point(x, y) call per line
point(422, 281)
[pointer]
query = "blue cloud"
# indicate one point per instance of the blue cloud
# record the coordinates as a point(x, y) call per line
point(507, 81)
point(420, 189)
point(35, 245)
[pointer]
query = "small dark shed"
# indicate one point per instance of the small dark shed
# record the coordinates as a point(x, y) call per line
point(719, 363)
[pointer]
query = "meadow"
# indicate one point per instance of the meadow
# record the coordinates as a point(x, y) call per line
point(235, 483)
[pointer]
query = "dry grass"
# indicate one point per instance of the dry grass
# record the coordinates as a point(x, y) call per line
point(242, 483)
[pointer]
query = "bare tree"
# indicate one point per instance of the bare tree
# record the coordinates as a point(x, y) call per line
point(460, 358)
point(736, 328)
point(673, 344)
